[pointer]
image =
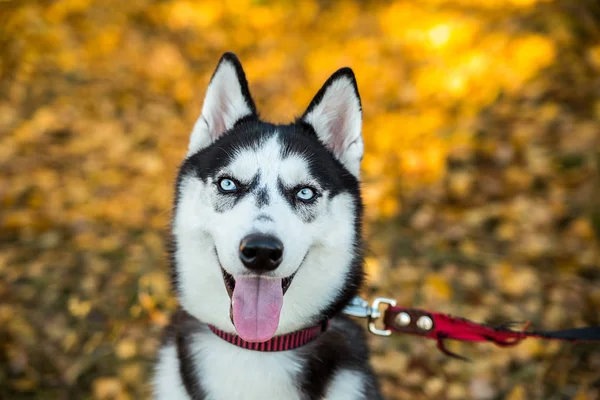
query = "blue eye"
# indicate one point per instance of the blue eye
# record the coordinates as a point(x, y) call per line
point(305, 194)
point(227, 185)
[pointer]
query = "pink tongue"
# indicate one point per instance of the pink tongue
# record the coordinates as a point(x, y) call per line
point(256, 306)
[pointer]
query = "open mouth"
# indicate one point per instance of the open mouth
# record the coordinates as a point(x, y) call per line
point(256, 303)
point(230, 282)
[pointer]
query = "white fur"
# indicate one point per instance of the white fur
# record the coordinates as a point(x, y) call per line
point(223, 106)
point(346, 385)
point(167, 381)
point(296, 170)
point(323, 244)
point(337, 120)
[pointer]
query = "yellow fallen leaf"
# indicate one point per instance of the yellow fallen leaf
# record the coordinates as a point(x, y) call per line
point(517, 393)
point(107, 388)
point(125, 349)
point(436, 288)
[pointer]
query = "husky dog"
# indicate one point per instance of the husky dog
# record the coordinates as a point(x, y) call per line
point(267, 251)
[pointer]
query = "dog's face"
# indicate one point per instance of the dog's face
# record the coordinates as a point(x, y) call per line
point(267, 217)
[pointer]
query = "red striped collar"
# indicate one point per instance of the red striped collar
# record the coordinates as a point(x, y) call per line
point(289, 341)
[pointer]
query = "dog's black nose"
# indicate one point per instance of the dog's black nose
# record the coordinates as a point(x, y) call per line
point(261, 252)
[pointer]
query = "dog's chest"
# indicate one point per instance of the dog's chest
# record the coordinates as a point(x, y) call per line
point(229, 372)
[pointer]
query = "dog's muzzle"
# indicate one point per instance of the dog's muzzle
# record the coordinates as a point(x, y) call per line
point(257, 296)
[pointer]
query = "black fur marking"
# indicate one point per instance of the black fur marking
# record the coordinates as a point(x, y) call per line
point(180, 330)
point(226, 201)
point(187, 370)
point(342, 347)
point(306, 211)
point(252, 187)
point(262, 197)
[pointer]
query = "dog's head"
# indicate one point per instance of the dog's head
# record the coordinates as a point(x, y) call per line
point(267, 223)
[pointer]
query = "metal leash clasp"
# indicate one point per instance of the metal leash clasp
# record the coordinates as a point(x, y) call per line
point(376, 314)
point(359, 307)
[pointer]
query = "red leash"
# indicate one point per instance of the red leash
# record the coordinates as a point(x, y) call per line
point(440, 326)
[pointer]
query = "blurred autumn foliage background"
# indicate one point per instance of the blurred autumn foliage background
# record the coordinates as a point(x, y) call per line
point(482, 179)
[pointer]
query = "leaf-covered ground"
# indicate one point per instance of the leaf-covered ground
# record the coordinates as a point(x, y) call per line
point(482, 176)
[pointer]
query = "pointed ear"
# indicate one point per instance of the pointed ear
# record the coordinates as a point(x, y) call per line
point(336, 116)
point(227, 101)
